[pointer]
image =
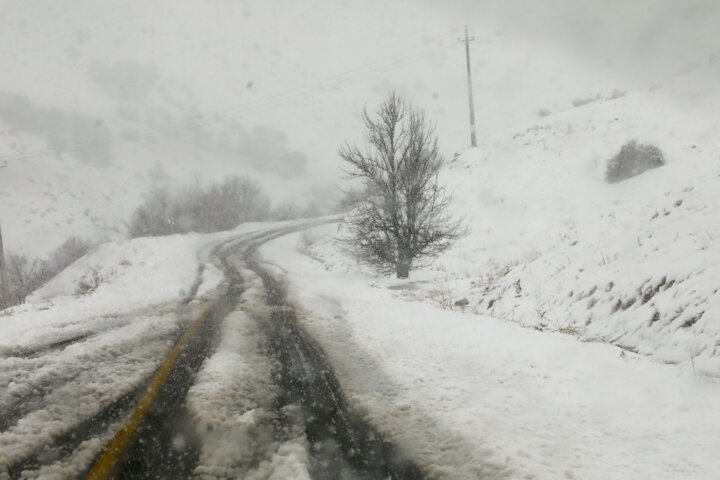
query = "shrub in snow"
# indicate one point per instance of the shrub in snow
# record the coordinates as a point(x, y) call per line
point(615, 94)
point(223, 206)
point(152, 218)
point(579, 102)
point(543, 112)
point(25, 274)
point(66, 254)
point(633, 159)
point(92, 279)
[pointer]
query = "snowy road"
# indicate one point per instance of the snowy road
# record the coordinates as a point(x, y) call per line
point(225, 385)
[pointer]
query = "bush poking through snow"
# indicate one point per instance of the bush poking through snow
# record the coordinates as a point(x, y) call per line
point(633, 159)
point(544, 112)
point(89, 282)
point(615, 94)
point(25, 274)
point(66, 254)
point(582, 101)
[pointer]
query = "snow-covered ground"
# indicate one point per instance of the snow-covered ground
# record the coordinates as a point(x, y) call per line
point(472, 396)
point(76, 353)
point(590, 345)
point(554, 247)
point(97, 104)
point(119, 277)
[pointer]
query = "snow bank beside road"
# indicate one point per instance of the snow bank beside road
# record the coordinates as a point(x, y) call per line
point(117, 278)
point(132, 267)
point(471, 396)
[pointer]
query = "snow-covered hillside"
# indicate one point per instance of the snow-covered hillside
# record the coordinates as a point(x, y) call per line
point(590, 344)
point(554, 247)
point(472, 396)
point(135, 96)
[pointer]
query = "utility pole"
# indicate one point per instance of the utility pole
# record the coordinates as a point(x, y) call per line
point(467, 40)
point(3, 276)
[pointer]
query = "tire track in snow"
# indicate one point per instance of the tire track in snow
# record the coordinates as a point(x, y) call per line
point(159, 440)
point(165, 444)
point(339, 444)
point(48, 376)
point(342, 445)
point(64, 444)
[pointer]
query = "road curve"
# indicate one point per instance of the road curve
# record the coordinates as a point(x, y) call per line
point(152, 433)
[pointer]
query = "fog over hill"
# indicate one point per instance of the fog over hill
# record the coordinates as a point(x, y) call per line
point(175, 92)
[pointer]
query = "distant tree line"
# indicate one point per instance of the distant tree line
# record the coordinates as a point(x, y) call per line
point(212, 208)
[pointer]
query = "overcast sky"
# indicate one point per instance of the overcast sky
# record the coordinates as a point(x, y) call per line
point(630, 35)
point(292, 76)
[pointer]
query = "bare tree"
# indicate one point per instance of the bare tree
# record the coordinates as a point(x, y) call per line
point(152, 217)
point(25, 276)
point(28, 274)
point(66, 254)
point(402, 217)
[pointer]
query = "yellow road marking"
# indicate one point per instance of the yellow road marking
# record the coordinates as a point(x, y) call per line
point(105, 464)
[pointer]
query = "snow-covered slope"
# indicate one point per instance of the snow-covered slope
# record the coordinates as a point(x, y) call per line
point(166, 92)
point(43, 202)
point(582, 264)
point(471, 396)
point(554, 247)
point(90, 189)
point(633, 263)
point(117, 278)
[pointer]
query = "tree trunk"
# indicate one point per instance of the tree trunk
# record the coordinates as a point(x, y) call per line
point(402, 268)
